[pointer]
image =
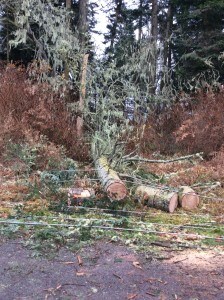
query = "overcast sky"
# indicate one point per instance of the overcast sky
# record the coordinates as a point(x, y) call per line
point(102, 21)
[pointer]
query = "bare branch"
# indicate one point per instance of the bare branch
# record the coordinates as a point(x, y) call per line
point(163, 161)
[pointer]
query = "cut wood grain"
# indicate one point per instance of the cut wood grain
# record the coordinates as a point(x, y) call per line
point(188, 198)
point(112, 184)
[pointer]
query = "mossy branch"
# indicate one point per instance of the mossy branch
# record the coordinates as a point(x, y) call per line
point(164, 161)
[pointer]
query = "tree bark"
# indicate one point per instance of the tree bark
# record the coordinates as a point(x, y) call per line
point(157, 198)
point(140, 21)
point(83, 22)
point(167, 48)
point(68, 4)
point(112, 184)
point(188, 198)
point(82, 31)
point(79, 125)
point(154, 35)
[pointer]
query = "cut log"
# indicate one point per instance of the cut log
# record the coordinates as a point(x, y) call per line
point(112, 184)
point(76, 195)
point(157, 198)
point(188, 198)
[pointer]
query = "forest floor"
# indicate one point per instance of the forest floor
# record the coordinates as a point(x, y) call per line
point(127, 252)
point(107, 270)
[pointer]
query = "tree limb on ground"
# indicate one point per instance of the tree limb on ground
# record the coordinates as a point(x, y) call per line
point(164, 161)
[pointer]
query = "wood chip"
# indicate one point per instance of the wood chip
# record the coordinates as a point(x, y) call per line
point(136, 264)
point(80, 274)
point(80, 261)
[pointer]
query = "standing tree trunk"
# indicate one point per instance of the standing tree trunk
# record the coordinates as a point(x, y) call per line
point(140, 21)
point(118, 6)
point(68, 4)
point(79, 124)
point(167, 48)
point(7, 36)
point(82, 31)
point(154, 35)
point(83, 22)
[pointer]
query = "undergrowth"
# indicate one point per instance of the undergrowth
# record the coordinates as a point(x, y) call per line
point(38, 137)
point(35, 110)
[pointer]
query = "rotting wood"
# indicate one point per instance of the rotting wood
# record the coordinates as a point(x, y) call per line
point(112, 184)
point(188, 198)
point(157, 198)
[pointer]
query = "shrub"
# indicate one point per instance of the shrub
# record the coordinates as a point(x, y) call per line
point(35, 108)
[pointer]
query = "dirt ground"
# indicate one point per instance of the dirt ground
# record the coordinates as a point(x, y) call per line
point(110, 271)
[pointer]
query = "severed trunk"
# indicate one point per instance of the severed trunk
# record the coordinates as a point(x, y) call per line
point(112, 184)
point(79, 124)
point(188, 198)
point(157, 198)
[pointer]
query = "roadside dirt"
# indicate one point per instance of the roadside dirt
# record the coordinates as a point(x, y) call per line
point(110, 271)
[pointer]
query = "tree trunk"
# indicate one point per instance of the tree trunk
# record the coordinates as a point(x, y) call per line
point(188, 199)
point(82, 31)
point(140, 21)
point(112, 184)
point(68, 4)
point(118, 4)
point(7, 37)
point(167, 50)
point(157, 198)
point(79, 125)
point(83, 22)
point(154, 35)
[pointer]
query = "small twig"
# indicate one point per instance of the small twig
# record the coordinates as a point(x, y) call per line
point(180, 260)
point(117, 276)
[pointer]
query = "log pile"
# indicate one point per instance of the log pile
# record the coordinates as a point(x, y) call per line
point(158, 197)
point(167, 200)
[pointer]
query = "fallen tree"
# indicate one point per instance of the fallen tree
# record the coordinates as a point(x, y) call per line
point(158, 198)
point(111, 183)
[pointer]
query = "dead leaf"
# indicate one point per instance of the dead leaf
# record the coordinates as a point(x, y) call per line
point(136, 264)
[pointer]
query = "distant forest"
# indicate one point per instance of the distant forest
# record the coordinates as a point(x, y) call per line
point(188, 36)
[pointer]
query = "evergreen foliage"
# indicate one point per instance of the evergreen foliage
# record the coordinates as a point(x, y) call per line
point(198, 37)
